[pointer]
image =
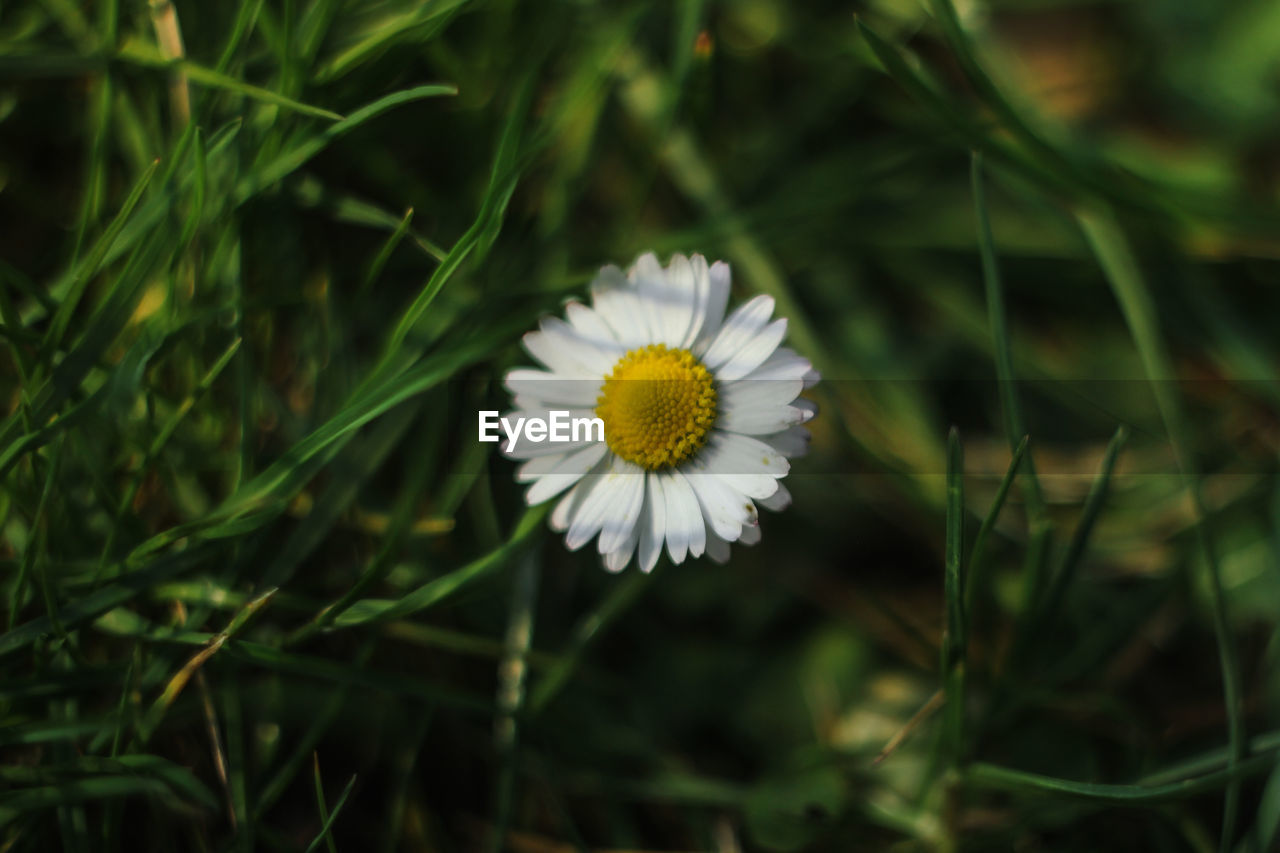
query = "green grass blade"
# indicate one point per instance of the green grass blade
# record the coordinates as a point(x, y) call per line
point(955, 638)
point(434, 591)
point(294, 158)
point(511, 692)
point(623, 594)
point(1080, 538)
point(93, 261)
point(1122, 273)
point(135, 53)
point(977, 555)
point(337, 809)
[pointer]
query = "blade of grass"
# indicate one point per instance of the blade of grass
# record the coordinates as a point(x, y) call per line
point(1080, 538)
point(433, 592)
point(322, 807)
point(337, 809)
point(294, 158)
point(977, 555)
point(985, 775)
point(954, 643)
point(1122, 273)
point(620, 598)
point(169, 695)
point(321, 722)
point(145, 56)
point(511, 692)
point(92, 263)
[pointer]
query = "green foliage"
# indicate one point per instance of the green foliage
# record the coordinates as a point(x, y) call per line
point(262, 262)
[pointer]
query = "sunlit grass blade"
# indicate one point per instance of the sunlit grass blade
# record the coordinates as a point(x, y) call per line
point(139, 54)
point(93, 261)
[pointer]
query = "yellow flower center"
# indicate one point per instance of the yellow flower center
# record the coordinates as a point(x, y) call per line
point(658, 406)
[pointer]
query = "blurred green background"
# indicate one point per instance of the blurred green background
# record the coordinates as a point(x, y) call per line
point(261, 262)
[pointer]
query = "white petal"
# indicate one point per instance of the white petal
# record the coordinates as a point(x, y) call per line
point(747, 465)
point(571, 468)
point(617, 303)
point(624, 510)
point(750, 534)
point(779, 501)
point(785, 363)
point(717, 548)
point(538, 388)
point(759, 407)
point(653, 523)
point(686, 533)
point(741, 326)
point(564, 351)
point(573, 502)
point(607, 490)
point(666, 307)
point(753, 352)
point(590, 325)
point(724, 507)
point(701, 293)
point(616, 560)
point(718, 281)
point(793, 442)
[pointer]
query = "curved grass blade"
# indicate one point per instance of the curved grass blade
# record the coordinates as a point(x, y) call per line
point(977, 563)
point(1080, 538)
point(1121, 271)
point(380, 610)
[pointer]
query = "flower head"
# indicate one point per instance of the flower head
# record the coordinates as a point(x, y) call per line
point(700, 413)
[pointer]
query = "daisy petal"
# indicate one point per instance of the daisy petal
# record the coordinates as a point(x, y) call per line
point(750, 534)
point(571, 504)
point(738, 330)
point(564, 351)
point(777, 502)
point(618, 305)
point(792, 443)
point(538, 389)
point(759, 407)
point(717, 548)
point(724, 507)
point(616, 560)
point(745, 464)
point(571, 468)
point(591, 326)
point(620, 523)
point(686, 533)
point(607, 490)
point(666, 299)
point(701, 288)
point(653, 523)
point(754, 352)
point(718, 281)
point(785, 363)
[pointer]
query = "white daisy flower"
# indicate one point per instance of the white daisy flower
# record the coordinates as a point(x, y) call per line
point(700, 412)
